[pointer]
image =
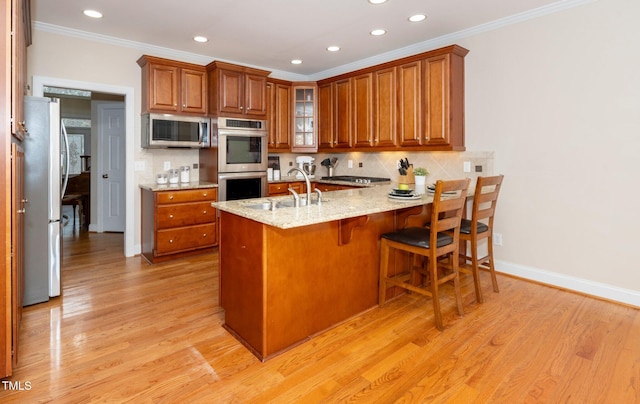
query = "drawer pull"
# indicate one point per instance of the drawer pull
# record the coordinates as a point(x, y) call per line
point(204, 235)
point(204, 212)
point(171, 241)
point(170, 216)
point(204, 194)
point(170, 196)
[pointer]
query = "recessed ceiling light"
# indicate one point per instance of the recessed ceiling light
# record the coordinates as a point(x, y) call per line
point(417, 18)
point(296, 62)
point(333, 48)
point(92, 13)
point(378, 32)
point(377, 1)
point(200, 39)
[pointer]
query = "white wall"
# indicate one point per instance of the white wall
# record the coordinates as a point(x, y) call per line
point(556, 98)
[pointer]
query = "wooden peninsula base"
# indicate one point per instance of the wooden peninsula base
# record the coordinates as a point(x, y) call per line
point(280, 286)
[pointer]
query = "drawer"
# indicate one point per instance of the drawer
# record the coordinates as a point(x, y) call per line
point(192, 195)
point(185, 238)
point(184, 214)
point(280, 188)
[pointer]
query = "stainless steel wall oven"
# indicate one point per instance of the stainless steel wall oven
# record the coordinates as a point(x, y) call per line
point(236, 158)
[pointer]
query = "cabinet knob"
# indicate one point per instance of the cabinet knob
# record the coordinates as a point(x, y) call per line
point(171, 241)
point(204, 194)
point(21, 210)
point(204, 235)
point(204, 212)
point(170, 196)
point(170, 216)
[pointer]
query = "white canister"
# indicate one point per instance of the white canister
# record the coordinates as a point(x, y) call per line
point(174, 176)
point(276, 175)
point(184, 174)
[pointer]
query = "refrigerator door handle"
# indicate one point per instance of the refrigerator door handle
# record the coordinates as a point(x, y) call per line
point(66, 160)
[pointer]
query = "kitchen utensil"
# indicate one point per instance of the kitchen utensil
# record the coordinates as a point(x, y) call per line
point(326, 162)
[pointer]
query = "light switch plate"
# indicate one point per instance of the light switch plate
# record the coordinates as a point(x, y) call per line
point(466, 167)
point(139, 166)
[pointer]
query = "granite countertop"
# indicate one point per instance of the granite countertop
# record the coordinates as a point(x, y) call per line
point(179, 186)
point(336, 205)
point(318, 179)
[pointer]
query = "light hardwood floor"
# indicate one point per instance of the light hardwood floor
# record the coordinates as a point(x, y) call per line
point(127, 331)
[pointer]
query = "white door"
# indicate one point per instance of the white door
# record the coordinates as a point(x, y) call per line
point(111, 177)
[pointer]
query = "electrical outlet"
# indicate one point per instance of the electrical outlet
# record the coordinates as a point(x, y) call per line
point(478, 169)
point(167, 165)
point(360, 164)
point(497, 238)
point(466, 167)
point(195, 166)
point(349, 163)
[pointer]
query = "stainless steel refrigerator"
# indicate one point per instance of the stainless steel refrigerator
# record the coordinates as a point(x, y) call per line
point(46, 167)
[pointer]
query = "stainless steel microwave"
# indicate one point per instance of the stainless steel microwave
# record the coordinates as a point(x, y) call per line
point(164, 130)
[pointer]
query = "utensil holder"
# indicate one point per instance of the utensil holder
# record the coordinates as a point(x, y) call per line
point(407, 179)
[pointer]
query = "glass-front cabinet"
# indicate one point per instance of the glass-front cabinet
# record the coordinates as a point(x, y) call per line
point(305, 135)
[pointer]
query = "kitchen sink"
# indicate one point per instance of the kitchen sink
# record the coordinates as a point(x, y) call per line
point(289, 203)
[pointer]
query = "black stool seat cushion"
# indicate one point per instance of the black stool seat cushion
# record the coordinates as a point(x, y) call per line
point(417, 236)
point(465, 227)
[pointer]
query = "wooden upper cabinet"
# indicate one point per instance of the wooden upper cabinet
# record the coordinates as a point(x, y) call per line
point(194, 91)
point(325, 116)
point(415, 102)
point(279, 115)
point(362, 110)
point(342, 113)
point(409, 103)
point(443, 116)
point(173, 87)
point(20, 39)
point(237, 91)
point(384, 107)
point(305, 112)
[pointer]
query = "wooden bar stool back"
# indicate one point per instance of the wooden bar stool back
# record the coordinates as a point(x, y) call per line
point(480, 227)
point(439, 239)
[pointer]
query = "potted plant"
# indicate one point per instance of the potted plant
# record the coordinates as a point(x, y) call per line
point(420, 174)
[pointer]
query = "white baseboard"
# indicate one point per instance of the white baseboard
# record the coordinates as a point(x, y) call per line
point(609, 292)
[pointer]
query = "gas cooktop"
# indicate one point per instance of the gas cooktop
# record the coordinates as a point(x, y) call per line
point(357, 179)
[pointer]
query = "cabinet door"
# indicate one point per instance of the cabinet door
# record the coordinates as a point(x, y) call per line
point(409, 104)
point(436, 87)
point(384, 110)
point(362, 110)
point(255, 101)
point(230, 92)
point(325, 116)
point(194, 91)
point(163, 87)
point(20, 10)
point(342, 113)
point(17, 245)
point(279, 116)
point(305, 138)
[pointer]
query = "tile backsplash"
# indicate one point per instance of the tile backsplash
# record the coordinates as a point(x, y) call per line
point(441, 165)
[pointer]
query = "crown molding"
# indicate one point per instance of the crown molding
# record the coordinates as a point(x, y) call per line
point(374, 60)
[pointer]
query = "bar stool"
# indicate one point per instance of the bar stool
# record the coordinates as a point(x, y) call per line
point(439, 239)
point(484, 208)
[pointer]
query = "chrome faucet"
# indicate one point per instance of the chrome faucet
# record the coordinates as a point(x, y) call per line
point(306, 178)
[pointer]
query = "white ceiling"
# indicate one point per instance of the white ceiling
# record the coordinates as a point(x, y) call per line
point(270, 33)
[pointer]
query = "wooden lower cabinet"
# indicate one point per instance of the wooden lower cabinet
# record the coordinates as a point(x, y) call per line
point(277, 294)
point(178, 223)
point(330, 187)
point(282, 188)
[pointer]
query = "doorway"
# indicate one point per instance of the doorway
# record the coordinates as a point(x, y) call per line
point(40, 82)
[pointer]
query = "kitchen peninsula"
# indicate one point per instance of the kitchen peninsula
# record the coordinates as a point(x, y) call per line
point(288, 273)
